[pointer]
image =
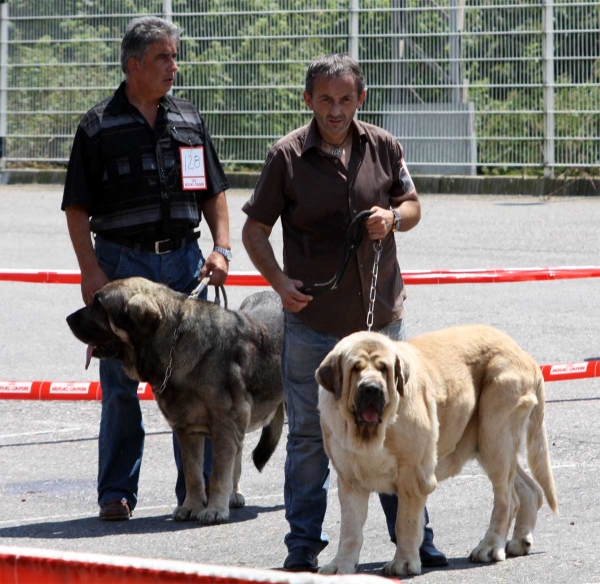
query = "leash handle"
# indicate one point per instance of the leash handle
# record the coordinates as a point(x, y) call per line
point(195, 294)
point(353, 239)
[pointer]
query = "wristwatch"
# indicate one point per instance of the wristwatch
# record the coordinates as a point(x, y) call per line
point(397, 221)
point(224, 252)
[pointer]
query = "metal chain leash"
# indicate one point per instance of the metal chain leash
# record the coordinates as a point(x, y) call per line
point(169, 370)
point(373, 292)
point(194, 295)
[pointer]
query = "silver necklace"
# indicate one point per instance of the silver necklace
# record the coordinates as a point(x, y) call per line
point(336, 150)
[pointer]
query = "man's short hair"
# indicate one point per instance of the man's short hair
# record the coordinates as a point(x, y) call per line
point(332, 66)
point(141, 33)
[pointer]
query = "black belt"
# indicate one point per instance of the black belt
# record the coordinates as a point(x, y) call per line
point(157, 247)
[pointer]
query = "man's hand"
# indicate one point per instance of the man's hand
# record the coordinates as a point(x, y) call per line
point(92, 275)
point(380, 223)
point(217, 266)
point(216, 214)
point(291, 297)
point(92, 279)
point(255, 236)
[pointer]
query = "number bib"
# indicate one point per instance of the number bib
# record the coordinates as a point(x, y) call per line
point(193, 172)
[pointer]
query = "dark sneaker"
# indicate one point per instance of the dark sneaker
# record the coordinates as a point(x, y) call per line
point(431, 557)
point(301, 559)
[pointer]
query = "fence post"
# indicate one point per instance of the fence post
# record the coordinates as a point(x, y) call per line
point(456, 26)
point(353, 29)
point(4, 26)
point(168, 15)
point(548, 82)
point(353, 34)
point(168, 10)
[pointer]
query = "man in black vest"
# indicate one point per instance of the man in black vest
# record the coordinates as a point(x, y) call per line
point(142, 172)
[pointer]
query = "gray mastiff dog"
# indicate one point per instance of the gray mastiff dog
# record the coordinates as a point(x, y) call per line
point(214, 373)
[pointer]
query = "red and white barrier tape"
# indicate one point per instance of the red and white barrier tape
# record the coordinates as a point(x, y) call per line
point(61, 390)
point(53, 390)
point(91, 390)
point(475, 276)
point(40, 566)
point(582, 370)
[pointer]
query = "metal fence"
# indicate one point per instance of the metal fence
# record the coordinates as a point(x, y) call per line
point(481, 86)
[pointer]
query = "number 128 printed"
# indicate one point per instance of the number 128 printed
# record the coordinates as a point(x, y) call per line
point(193, 173)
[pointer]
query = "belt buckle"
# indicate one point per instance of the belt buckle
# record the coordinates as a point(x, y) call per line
point(157, 245)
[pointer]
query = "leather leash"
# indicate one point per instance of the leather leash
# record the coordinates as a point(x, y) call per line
point(195, 294)
point(353, 239)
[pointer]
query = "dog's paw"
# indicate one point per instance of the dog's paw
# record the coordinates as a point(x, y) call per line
point(213, 516)
point(485, 553)
point(183, 513)
point(402, 567)
point(339, 567)
point(521, 546)
point(236, 501)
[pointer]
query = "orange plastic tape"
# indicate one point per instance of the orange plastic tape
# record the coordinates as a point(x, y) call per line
point(476, 276)
point(582, 370)
point(60, 390)
point(91, 390)
point(40, 566)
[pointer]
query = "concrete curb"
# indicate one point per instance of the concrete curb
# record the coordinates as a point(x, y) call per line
point(32, 176)
point(430, 184)
point(476, 185)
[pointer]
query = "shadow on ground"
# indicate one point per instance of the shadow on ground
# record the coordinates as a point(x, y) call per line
point(92, 527)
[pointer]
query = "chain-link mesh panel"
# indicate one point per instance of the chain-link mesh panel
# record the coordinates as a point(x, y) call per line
point(465, 86)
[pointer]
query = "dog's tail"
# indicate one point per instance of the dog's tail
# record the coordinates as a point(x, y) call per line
point(538, 455)
point(269, 438)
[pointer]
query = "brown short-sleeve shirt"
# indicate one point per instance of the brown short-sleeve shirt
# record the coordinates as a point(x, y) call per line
point(317, 198)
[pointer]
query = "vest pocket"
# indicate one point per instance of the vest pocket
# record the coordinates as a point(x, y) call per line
point(122, 160)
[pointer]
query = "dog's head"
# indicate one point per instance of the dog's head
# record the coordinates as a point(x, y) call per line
point(366, 375)
point(122, 314)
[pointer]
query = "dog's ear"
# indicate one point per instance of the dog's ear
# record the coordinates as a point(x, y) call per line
point(144, 313)
point(401, 373)
point(329, 374)
point(139, 313)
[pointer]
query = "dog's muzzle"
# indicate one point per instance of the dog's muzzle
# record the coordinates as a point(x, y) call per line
point(110, 350)
point(95, 332)
point(369, 404)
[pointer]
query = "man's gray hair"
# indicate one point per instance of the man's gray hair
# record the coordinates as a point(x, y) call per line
point(332, 66)
point(141, 33)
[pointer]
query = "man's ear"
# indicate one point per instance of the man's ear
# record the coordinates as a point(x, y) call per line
point(308, 100)
point(329, 374)
point(134, 66)
point(361, 98)
point(401, 373)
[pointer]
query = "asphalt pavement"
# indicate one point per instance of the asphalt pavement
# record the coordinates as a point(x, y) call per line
point(48, 450)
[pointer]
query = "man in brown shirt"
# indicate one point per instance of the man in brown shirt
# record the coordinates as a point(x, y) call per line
point(317, 179)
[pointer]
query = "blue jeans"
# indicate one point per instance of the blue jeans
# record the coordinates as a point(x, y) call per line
point(307, 465)
point(121, 439)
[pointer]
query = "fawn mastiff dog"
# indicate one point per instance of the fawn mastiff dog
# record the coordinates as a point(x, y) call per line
point(214, 372)
point(399, 417)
